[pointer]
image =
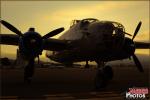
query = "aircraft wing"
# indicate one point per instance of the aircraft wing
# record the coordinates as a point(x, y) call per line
point(55, 44)
point(9, 39)
point(48, 44)
point(142, 45)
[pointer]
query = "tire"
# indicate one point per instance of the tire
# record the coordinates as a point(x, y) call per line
point(27, 80)
point(100, 81)
point(28, 72)
point(108, 72)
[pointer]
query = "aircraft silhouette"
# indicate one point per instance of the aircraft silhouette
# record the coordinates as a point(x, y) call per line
point(86, 40)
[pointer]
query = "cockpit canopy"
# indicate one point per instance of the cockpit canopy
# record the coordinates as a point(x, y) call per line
point(79, 28)
point(118, 26)
point(91, 20)
point(87, 20)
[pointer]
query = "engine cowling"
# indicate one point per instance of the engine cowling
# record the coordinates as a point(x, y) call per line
point(31, 44)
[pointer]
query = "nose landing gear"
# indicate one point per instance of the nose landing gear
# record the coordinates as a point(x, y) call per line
point(87, 65)
point(103, 76)
point(29, 71)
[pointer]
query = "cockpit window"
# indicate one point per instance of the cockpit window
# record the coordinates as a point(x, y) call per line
point(73, 22)
point(118, 29)
point(119, 26)
point(88, 20)
point(85, 22)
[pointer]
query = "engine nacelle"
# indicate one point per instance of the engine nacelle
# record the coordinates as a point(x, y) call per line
point(129, 46)
point(31, 44)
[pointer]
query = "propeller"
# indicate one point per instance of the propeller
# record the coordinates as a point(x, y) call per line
point(15, 30)
point(137, 29)
point(37, 48)
point(53, 33)
point(11, 27)
point(136, 61)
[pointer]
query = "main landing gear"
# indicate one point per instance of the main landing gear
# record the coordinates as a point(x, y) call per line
point(29, 71)
point(103, 76)
point(87, 65)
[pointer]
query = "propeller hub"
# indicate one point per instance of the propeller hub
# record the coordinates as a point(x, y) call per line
point(129, 46)
point(31, 43)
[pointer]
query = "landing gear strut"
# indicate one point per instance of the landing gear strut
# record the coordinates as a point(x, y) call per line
point(29, 71)
point(87, 65)
point(103, 76)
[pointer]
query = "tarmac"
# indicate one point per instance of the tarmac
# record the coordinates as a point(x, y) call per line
point(72, 83)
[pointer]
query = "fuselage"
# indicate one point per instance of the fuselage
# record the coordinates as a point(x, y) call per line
point(92, 40)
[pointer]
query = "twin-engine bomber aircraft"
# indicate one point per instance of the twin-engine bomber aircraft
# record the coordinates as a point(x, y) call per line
point(86, 40)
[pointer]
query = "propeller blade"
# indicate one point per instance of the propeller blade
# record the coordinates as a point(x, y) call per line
point(137, 63)
point(53, 33)
point(11, 27)
point(137, 29)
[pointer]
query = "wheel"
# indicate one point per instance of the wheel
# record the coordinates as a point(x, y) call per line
point(100, 81)
point(29, 71)
point(108, 72)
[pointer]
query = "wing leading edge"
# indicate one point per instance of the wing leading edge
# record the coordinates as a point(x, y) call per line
point(9, 39)
point(142, 45)
point(54, 44)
